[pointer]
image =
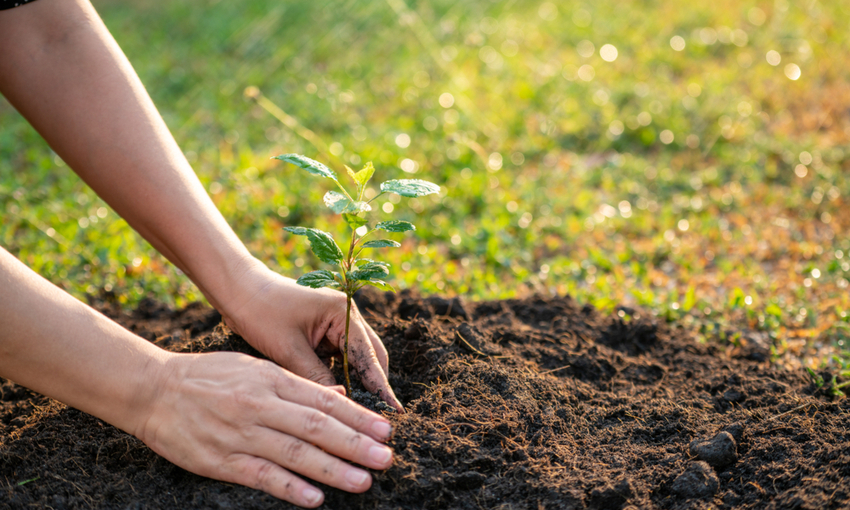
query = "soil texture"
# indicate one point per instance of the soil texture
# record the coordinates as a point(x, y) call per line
point(537, 403)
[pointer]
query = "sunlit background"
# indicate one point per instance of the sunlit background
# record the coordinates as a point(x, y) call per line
point(687, 158)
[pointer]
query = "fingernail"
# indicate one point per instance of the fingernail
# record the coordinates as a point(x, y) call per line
point(356, 477)
point(380, 454)
point(382, 429)
point(312, 496)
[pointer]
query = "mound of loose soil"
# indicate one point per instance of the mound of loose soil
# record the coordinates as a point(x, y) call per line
point(535, 403)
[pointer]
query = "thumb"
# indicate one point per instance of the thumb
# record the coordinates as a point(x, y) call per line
point(304, 362)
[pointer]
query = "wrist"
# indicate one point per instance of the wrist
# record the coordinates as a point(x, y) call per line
point(165, 378)
point(137, 394)
point(233, 283)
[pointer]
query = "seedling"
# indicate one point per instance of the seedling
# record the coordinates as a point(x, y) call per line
point(829, 384)
point(354, 272)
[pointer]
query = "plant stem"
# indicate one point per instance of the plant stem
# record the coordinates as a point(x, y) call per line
point(349, 291)
point(345, 347)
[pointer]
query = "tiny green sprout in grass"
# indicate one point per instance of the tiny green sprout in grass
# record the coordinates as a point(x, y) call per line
point(829, 384)
point(354, 272)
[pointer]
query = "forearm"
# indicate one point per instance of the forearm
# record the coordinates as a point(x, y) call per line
point(64, 72)
point(56, 345)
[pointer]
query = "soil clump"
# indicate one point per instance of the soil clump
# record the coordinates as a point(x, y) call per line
point(536, 403)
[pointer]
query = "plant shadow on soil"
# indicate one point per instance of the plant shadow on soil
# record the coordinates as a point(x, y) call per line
point(536, 403)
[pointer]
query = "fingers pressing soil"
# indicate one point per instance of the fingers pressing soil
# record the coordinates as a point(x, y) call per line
point(537, 403)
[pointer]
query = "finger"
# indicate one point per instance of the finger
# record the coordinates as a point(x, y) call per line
point(332, 403)
point(271, 478)
point(302, 361)
point(372, 375)
point(308, 460)
point(339, 388)
point(380, 350)
point(304, 427)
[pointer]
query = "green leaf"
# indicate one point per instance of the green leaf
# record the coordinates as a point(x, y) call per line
point(381, 243)
point(380, 284)
point(774, 310)
point(354, 221)
point(364, 175)
point(312, 166)
point(351, 172)
point(364, 263)
point(816, 378)
point(395, 226)
point(318, 279)
point(340, 204)
point(410, 187)
point(369, 273)
point(690, 299)
point(299, 231)
point(322, 244)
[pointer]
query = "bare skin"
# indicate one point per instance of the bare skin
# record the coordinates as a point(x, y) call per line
point(222, 415)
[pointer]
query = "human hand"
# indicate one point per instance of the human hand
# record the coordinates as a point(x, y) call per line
point(235, 418)
point(294, 325)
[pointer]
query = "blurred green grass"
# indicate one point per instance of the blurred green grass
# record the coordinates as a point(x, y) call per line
point(639, 153)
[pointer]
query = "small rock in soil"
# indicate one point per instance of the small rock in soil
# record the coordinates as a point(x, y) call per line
point(611, 496)
point(733, 395)
point(719, 451)
point(451, 307)
point(698, 481)
point(411, 308)
point(737, 431)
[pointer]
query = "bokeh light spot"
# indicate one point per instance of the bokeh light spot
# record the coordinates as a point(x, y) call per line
point(403, 140)
point(409, 166)
point(585, 48)
point(694, 90)
point(586, 72)
point(792, 71)
point(616, 128)
point(548, 11)
point(608, 52)
point(773, 57)
point(581, 18)
point(677, 42)
point(494, 162)
point(756, 16)
point(430, 123)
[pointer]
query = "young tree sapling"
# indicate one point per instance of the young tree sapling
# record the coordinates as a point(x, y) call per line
point(353, 272)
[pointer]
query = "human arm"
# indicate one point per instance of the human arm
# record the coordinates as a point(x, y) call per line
point(224, 415)
point(64, 72)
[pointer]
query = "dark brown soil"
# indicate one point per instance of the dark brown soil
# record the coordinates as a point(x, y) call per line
point(535, 403)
